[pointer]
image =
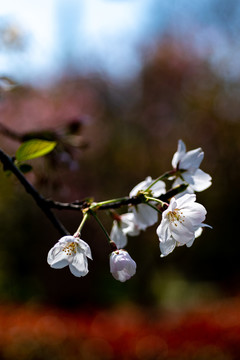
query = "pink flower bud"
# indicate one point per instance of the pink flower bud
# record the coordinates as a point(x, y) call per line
point(122, 266)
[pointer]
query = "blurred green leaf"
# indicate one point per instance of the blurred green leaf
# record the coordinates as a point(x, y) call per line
point(25, 168)
point(7, 173)
point(34, 148)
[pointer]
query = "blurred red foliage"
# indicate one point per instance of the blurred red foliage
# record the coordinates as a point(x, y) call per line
point(209, 332)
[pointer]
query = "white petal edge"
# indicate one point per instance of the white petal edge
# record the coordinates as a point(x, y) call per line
point(192, 159)
point(181, 150)
point(118, 236)
point(167, 247)
point(57, 258)
point(201, 180)
point(143, 185)
point(86, 248)
point(79, 265)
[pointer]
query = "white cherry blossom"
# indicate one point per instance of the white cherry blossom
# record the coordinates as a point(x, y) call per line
point(70, 251)
point(122, 266)
point(181, 223)
point(145, 215)
point(123, 226)
point(188, 165)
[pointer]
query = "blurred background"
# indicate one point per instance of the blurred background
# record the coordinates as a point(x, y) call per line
point(117, 83)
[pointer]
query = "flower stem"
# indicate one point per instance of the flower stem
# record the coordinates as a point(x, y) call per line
point(155, 199)
point(154, 207)
point(101, 225)
point(99, 204)
point(162, 177)
point(78, 232)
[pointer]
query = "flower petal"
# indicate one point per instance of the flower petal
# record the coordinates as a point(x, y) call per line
point(201, 180)
point(198, 232)
point(128, 224)
point(123, 275)
point(158, 189)
point(189, 244)
point(66, 239)
point(85, 248)
point(172, 206)
point(144, 215)
point(192, 159)
point(185, 201)
point(163, 230)
point(181, 150)
point(57, 258)
point(187, 176)
point(182, 232)
point(141, 186)
point(122, 266)
point(196, 214)
point(188, 190)
point(117, 235)
point(167, 247)
point(79, 265)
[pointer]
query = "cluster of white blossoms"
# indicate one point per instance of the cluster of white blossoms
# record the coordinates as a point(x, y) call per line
point(182, 219)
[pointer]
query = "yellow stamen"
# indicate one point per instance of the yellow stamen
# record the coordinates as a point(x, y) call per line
point(176, 216)
point(70, 248)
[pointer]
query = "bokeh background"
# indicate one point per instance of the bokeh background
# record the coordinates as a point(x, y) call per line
point(118, 83)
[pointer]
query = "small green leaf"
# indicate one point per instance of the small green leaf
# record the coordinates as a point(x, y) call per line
point(25, 168)
point(34, 148)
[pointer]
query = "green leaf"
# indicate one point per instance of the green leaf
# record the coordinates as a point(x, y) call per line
point(25, 168)
point(34, 148)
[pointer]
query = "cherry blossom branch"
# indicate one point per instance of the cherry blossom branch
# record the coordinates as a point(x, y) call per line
point(47, 204)
point(181, 221)
point(115, 204)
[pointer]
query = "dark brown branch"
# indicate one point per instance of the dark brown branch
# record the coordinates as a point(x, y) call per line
point(81, 205)
point(76, 205)
point(8, 164)
point(173, 192)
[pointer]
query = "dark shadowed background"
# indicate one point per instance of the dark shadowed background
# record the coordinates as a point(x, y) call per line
point(118, 124)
